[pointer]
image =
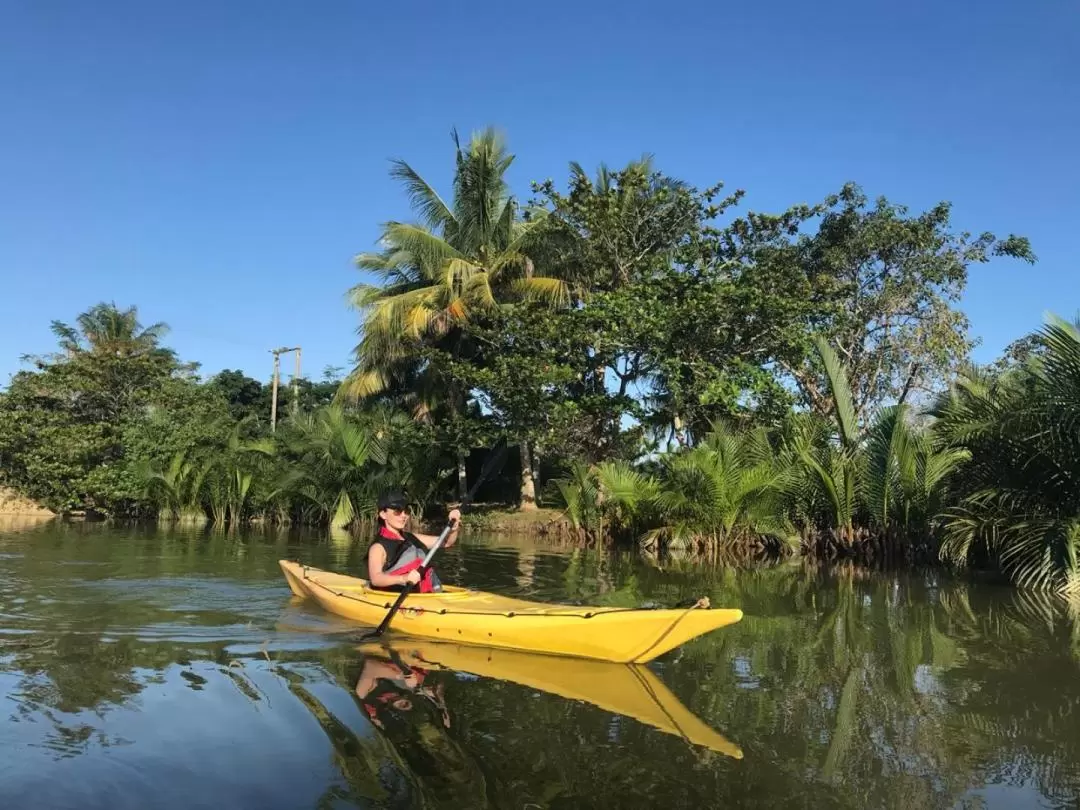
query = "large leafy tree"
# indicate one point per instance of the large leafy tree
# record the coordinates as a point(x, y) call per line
point(879, 284)
point(74, 429)
point(629, 245)
point(247, 397)
point(435, 276)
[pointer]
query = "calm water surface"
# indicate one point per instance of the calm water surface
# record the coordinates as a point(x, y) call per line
point(146, 667)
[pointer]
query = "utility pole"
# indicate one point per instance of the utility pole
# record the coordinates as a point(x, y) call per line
point(274, 388)
point(296, 386)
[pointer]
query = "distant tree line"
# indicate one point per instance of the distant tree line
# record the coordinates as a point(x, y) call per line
point(670, 371)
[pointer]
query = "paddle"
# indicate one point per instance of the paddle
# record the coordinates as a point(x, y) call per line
point(494, 460)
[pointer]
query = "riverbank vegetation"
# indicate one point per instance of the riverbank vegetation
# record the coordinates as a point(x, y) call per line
point(672, 373)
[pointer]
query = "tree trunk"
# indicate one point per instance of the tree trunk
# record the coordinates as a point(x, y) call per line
point(462, 477)
point(535, 471)
point(677, 430)
point(528, 490)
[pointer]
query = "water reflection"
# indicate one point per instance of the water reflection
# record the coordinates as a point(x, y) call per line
point(133, 661)
point(625, 690)
point(409, 709)
point(387, 686)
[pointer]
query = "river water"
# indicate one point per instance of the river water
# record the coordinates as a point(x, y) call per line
point(169, 668)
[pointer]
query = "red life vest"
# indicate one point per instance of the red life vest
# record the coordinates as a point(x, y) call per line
point(405, 554)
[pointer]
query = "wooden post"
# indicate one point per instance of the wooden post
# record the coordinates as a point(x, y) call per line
point(296, 384)
point(273, 394)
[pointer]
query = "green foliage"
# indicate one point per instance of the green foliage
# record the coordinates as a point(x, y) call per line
point(175, 489)
point(73, 431)
point(822, 486)
point(747, 383)
point(437, 275)
point(247, 398)
point(334, 457)
point(906, 474)
point(727, 488)
point(115, 425)
point(338, 461)
point(878, 284)
point(1020, 503)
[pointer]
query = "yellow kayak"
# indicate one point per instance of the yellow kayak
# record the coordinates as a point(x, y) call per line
point(629, 690)
point(622, 635)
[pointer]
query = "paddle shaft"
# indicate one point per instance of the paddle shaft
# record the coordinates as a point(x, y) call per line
point(489, 466)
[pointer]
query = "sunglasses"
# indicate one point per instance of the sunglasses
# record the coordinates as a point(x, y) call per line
point(396, 510)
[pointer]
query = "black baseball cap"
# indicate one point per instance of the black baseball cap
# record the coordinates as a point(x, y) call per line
point(393, 499)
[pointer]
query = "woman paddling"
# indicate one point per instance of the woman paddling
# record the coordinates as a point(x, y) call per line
point(396, 554)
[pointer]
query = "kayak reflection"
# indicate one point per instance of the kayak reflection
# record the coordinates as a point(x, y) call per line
point(398, 670)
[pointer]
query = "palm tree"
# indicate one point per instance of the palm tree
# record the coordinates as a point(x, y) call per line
point(106, 330)
point(334, 470)
point(604, 499)
point(725, 490)
point(825, 457)
point(1022, 503)
point(905, 474)
point(121, 359)
point(437, 275)
point(225, 479)
point(890, 475)
point(174, 489)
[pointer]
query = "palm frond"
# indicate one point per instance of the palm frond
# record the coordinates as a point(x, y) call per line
point(843, 401)
point(422, 197)
point(428, 251)
point(553, 292)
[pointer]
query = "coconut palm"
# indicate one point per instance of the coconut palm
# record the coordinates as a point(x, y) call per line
point(1022, 503)
point(457, 262)
point(106, 330)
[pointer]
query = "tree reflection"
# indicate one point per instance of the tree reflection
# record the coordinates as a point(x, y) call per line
point(841, 687)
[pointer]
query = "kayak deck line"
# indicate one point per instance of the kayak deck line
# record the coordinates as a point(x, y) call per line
point(629, 635)
point(507, 614)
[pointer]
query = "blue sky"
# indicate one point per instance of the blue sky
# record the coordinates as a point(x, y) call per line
point(219, 164)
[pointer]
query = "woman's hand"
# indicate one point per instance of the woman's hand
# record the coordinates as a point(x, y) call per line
point(412, 577)
point(455, 516)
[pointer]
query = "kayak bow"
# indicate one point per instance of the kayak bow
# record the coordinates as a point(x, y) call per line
point(622, 635)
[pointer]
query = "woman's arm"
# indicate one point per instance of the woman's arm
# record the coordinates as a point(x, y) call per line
point(372, 671)
point(430, 539)
point(376, 559)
